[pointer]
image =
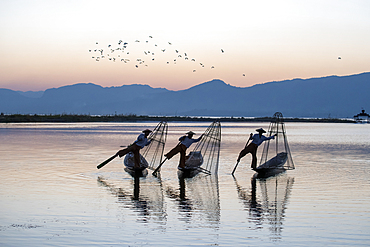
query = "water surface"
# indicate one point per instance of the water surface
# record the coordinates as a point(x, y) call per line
point(53, 195)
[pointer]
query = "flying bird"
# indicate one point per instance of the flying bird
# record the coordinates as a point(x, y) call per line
point(222, 50)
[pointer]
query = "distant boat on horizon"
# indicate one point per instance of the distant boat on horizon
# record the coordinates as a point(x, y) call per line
point(362, 117)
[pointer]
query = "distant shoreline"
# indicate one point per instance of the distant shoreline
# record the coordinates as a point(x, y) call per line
point(71, 118)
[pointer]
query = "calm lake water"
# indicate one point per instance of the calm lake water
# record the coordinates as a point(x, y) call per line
point(52, 194)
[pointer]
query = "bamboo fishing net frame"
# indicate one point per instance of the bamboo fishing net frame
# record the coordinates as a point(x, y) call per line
point(279, 144)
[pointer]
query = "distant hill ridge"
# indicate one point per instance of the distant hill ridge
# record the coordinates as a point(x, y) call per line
point(331, 96)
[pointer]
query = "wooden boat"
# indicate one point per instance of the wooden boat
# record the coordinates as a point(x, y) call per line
point(276, 156)
point(272, 167)
point(129, 163)
point(193, 161)
point(205, 156)
point(136, 173)
point(276, 163)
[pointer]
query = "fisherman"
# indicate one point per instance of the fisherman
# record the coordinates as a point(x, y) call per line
point(257, 139)
point(185, 142)
point(140, 142)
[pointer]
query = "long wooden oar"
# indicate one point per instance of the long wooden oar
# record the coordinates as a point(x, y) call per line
point(159, 167)
point(238, 161)
point(204, 170)
point(106, 161)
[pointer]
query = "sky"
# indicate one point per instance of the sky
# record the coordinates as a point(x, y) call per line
point(179, 44)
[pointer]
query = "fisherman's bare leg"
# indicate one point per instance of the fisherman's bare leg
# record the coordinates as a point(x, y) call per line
point(135, 150)
point(244, 152)
point(182, 158)
point(254, 159)
point(125, 151)
point(137, 158)
point(173, 152)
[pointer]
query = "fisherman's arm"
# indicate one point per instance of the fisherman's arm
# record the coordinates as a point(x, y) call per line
point(271, 137)
point(200, 137)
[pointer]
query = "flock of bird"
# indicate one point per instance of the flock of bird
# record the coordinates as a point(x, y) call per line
point(121, 53)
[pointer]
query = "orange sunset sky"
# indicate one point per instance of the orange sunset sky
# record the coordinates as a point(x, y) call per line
point(52, 43)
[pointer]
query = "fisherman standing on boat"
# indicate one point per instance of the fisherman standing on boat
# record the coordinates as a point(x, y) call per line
point(140, 142)
point(185, 142)
point(257, 140)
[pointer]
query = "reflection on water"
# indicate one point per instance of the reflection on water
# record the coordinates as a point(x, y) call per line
point(147, 203)
point(275, 192)
point(52, 194)
point(197, 199)
point(197, 196)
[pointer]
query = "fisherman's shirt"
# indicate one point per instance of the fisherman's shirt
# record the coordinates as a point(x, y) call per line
point(186, 141)
point(142, 141)
point(258, 140)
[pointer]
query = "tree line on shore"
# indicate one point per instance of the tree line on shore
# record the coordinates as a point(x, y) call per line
point(28, 118)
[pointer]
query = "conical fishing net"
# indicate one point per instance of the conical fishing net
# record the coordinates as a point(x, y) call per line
point(276, 152)
point(153, 153)
point(206, 153)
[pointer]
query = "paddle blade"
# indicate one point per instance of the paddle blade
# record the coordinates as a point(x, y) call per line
point(235, 168)
point(159, 167)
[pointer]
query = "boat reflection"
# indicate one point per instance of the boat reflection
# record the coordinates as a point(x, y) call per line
point(198, 200)
point(147, 202)
point(267, 200)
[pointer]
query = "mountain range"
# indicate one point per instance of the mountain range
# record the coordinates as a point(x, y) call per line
point(331, 96)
